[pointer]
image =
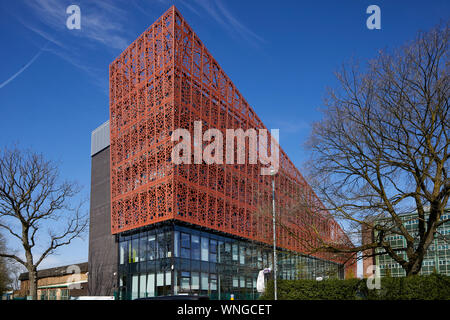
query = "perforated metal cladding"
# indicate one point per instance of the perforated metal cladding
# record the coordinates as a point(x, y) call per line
point(165, 80)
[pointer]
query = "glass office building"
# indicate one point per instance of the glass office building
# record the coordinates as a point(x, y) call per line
point(175, 259)
point(437, 257)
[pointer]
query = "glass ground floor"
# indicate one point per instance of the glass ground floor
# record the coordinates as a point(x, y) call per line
point(176, 259)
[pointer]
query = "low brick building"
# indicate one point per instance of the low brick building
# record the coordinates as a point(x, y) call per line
point(60, 283)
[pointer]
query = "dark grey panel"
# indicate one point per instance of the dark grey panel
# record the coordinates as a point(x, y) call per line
point(102, 244)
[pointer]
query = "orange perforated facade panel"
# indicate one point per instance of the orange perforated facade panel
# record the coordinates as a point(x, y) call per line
point(166, 79)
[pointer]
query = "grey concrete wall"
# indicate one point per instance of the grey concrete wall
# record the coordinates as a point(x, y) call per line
point(102, 246)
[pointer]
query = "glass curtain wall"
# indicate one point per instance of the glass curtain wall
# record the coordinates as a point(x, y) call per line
point(179, 260)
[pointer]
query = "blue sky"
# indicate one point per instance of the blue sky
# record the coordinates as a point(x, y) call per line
point(280, 54)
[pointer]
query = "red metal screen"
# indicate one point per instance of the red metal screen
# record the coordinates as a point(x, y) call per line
point(166, 79)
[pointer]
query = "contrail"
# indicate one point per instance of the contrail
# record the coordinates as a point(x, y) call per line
point(24, 67)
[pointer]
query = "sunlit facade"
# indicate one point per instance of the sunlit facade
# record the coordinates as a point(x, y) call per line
point(194, 228)
point(172, 259)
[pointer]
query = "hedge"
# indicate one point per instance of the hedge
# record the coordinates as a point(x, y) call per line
point(430, 287)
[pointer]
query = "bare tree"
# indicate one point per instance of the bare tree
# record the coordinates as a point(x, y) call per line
point(6, 276)
point(33, 199)
point(302, 218)
point(381, 149)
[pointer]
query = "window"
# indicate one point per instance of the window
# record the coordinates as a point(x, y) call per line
point(134, 286)
point(142, 248)
point(242, 255)
point(242, 281)
point(205, 249)
point(195, 247)
point(195, 281)
point(52, 294)
point(248, 256)
point(123, 249)
point(133, 251)
point(160, 279)
point(213, 251)
point(184, 281)
point(64, 294)
point(235, 251)
point(205, 282)
point(220, 250)
point(428, 263)
point(249, 283)
point(176, 244)
point(168, 240)
point(162, 246)
point(185, 246)
point(226, 255)
point(151, 247)
point(253, 257)
point(185, 240)
point(151, 285)
point(213, 282)
point(176, 287)
point(235, 282)
point(143, 286)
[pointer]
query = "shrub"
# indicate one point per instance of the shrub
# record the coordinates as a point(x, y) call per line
point(431, 287)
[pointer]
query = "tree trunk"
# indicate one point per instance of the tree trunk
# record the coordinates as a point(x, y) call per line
point(33, 283)
point(415, 267)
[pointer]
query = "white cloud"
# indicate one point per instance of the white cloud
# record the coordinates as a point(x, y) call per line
point(237, 25)
point(107, 24)
point(23, 68)
point(101, 21)
point(217, 10)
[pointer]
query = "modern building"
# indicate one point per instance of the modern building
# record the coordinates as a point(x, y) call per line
point(102, 257)
point(189, 228)
point(8, 295)
point(437, 258)
point(60, 283)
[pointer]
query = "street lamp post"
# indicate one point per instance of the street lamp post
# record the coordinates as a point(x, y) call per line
point(272, 172)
